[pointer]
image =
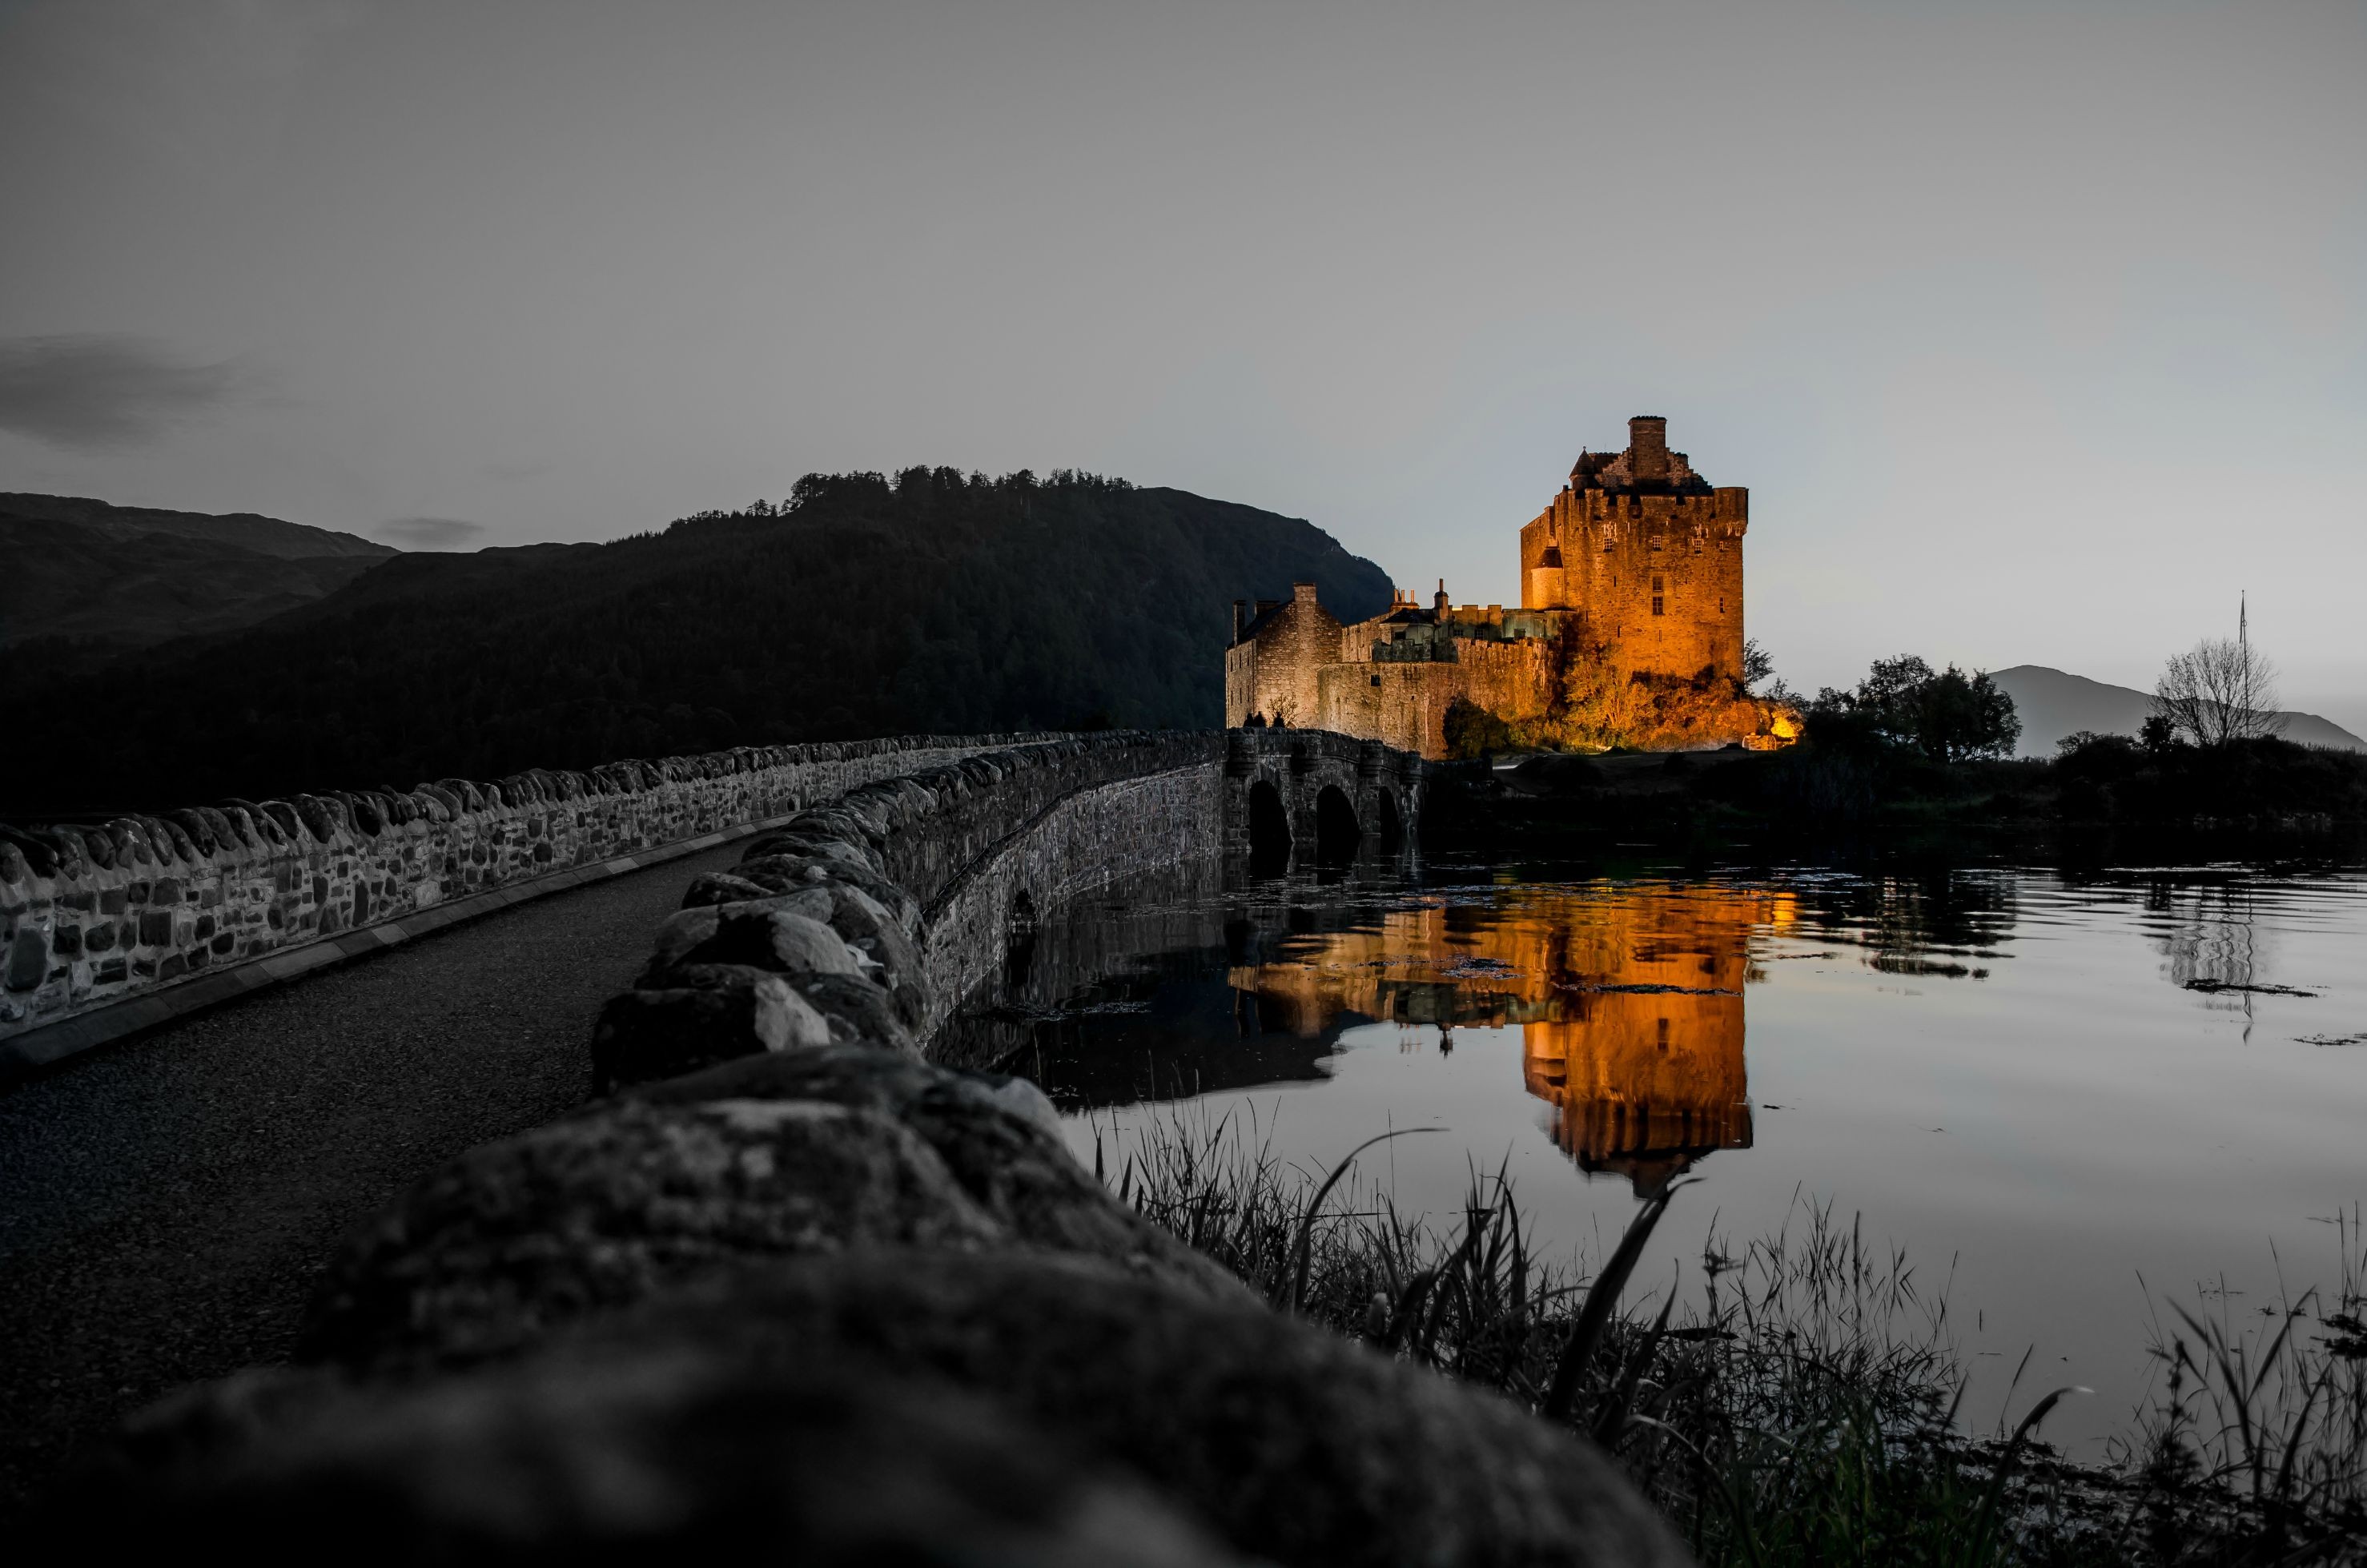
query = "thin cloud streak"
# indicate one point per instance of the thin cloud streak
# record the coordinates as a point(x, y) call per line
point(103, 389)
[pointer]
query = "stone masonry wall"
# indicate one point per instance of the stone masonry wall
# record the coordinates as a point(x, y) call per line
point(93, 915)
point(1273, 673)
point(1085, 841)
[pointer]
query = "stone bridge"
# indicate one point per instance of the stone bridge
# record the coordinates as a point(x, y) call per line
point(775, 1210)
point(1299, 797)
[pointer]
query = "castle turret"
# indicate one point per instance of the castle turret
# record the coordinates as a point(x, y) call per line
point(1647, 446)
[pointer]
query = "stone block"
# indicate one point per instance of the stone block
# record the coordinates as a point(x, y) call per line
point(703, 1014)
point(999, 1136)
point(29, 958)
point(858, 1010)
point(781, 940)
point(788, 873)
point(721, 887)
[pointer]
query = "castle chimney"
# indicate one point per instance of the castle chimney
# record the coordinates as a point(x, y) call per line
point(1240, 617)
point(1440, 602)
point(1303, 593)
point(1647, 446)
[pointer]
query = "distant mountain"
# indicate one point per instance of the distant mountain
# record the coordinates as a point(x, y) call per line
point(247, 531)
point(933, 603)
point(2053, 704)
point(124, 577)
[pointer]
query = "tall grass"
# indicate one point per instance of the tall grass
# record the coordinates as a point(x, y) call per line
point(1803, 1404)
point(2259, 1427)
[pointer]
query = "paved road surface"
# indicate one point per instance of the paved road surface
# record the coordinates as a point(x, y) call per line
point(165, 1204)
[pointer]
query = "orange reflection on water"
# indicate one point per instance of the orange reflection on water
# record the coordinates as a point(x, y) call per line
point(1629, 999)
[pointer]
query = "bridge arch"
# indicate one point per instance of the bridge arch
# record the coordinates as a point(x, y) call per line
point(1337, 831)
point(1269, 829)
point(1019, 939)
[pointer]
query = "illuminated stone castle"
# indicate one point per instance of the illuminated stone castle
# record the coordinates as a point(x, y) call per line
point(1629, 632)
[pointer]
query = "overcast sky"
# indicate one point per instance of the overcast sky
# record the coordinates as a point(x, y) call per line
point(2037, 331)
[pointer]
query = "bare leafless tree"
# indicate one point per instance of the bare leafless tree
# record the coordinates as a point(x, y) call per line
point(2221, 690)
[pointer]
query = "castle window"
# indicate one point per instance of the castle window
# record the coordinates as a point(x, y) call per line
point(1377, 680)
point(1656, 585)
point(1658, 605)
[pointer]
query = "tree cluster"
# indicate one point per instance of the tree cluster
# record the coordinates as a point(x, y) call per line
point(1945, 716)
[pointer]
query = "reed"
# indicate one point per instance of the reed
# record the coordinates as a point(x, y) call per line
point(1803, 1403)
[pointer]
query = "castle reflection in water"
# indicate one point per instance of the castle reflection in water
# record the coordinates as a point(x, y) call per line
point(1630, 1005)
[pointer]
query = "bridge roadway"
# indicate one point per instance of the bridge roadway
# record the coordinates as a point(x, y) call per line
point(166, 1204)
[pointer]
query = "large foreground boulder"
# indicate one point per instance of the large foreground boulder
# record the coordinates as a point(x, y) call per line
point(881, 1376)
point(606, 1208)
point(664, 1454)
point(1298, 1446)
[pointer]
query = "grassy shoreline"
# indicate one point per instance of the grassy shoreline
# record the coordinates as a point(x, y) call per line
point(1804, 1405)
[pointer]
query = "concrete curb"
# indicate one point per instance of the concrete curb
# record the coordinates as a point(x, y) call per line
point(24, 1054)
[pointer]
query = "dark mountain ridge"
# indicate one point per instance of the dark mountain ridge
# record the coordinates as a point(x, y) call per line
point(860, 607)
point(114, 578)
point(247, 531)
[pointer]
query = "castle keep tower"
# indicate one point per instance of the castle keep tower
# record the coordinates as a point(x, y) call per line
point(1649, 553)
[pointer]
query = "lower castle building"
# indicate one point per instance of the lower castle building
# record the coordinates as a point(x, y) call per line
point(1629, 632)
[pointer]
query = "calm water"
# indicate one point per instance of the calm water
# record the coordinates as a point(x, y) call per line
point(2045, 1089)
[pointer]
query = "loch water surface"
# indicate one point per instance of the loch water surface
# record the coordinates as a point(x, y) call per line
point(2073, 1100)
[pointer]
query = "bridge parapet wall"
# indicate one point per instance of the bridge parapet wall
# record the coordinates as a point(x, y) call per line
point(95, 913)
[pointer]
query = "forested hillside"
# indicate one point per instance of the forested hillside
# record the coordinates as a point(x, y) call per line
point(860, 607)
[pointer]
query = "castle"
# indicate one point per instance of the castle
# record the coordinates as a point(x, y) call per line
point(1629, 632)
